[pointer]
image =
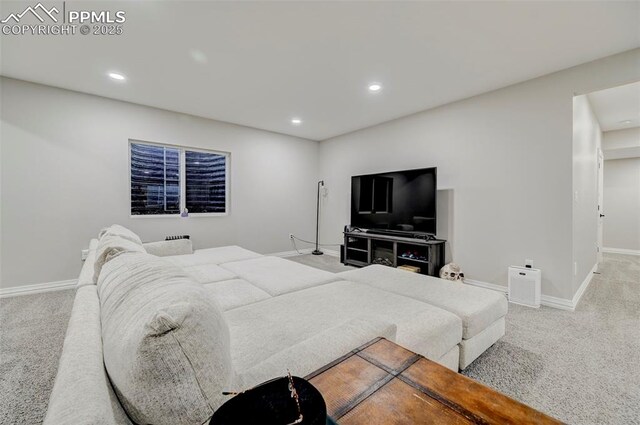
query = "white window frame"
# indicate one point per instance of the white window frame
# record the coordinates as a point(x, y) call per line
point(183, 180)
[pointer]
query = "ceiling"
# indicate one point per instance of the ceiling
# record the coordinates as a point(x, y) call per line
point(618, 107)
point(260, 64)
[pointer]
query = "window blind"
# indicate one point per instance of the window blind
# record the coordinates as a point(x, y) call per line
point(155, 179)
point(205, 177)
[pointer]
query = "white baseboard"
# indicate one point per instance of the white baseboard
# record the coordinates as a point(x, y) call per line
point(621, 251)
point(486, 285)
point(546, 300)
point(37, 288)
point(555, 302)
point(584, 285)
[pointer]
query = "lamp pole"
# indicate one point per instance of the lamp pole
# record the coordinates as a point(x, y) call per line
point(317, 251)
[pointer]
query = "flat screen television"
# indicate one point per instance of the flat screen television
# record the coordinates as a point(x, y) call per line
point(398, 201)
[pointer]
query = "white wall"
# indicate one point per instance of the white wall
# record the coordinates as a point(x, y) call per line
point(621, 139)
point(64, 169)
point(619, 144)
point(507, 159)
point(622, 203)
point(587, 139)
point(622, 190)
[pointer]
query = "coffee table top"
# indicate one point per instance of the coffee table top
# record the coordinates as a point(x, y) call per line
point(384, 383)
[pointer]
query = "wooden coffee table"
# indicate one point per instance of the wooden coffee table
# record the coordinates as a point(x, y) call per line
point(384, 383)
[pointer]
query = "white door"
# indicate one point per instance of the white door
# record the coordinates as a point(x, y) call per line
point(600, 198)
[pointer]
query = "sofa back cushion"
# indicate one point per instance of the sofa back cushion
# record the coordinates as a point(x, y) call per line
point(110, 246)
point(171, 247)
point(118, 230)
point(166, 343)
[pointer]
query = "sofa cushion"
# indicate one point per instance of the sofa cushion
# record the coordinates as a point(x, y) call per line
point(207, 273)
point(451, 359)
point(278, 276)
point(261, 330)
point(167, 248)
point(110, 246)
point(235, 293)
point(166, 343)
point(121, 231)
point(219, 255)
point(477, 307)
point(470, 349)
point(313, 353)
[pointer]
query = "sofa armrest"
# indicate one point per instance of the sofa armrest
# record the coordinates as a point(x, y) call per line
point(313, 353)
point(82, 393)
point(167, 248)
point(87, 272)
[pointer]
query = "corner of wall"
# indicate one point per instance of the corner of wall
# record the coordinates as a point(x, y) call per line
point(587, 140)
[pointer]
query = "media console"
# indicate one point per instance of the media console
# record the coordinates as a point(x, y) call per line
point(362, 248)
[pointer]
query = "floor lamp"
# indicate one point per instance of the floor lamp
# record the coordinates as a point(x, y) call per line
point(317, 251)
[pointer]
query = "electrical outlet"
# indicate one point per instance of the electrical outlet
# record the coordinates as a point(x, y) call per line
point(84, 254)
point(290, 235)
point(528, 263)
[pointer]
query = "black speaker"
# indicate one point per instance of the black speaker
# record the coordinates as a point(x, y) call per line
point(342, 254)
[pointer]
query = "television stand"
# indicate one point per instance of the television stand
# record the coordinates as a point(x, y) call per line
point(363, 248)
point(402, 233)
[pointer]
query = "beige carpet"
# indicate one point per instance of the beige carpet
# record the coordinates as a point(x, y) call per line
point(582, 367)
point(32, 330)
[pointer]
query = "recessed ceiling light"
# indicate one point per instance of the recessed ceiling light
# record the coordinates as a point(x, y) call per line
point(625, 122)
point(116, 76)
point(296, 121)
point(374, 87)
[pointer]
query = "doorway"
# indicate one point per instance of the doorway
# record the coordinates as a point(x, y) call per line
point(617, 111)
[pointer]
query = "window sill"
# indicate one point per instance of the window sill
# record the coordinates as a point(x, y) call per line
point(155, 216)
point(191, 215)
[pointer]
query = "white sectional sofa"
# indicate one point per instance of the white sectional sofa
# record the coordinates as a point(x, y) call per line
point(482, 312)
point(272, 314)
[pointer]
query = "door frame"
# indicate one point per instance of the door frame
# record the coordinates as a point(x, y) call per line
point(600, 210)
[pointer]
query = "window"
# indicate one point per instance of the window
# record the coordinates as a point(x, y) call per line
point(167, 179)
point(155, 180)
point(206, 182)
